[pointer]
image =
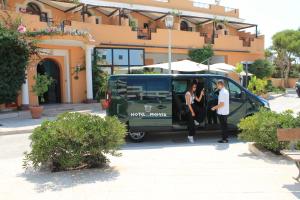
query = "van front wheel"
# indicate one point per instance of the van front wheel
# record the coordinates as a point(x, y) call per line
point(136, 136)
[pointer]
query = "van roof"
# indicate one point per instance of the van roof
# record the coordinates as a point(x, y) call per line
point(171, 75)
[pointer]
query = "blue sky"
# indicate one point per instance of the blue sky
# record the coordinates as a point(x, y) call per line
point(270, 15)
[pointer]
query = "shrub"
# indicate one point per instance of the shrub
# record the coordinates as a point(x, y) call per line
point(257, 86)
point(261, 128)
point(262, 68)
point(75, 141)
point(41, 86)
point(271, 88)
point(201, 55)
point(15, 51)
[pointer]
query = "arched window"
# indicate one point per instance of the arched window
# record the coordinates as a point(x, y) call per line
point(34, 9)
point(184, 26)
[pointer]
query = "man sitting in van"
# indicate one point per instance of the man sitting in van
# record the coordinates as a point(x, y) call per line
point(222, 110)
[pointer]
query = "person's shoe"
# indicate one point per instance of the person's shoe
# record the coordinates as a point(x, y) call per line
point(196, 123)
point(191, 139)
point(223, 141)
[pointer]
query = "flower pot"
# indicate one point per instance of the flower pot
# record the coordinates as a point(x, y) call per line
point(36, 111)
point(104, 104)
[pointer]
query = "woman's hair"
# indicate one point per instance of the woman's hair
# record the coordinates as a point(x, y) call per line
point(191, 87)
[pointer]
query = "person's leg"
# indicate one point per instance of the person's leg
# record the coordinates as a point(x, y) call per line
point(197, 112)
point(191, 124)
point(223, 124)
point(225, 129)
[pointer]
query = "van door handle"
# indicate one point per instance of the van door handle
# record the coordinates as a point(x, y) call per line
point(161, 107)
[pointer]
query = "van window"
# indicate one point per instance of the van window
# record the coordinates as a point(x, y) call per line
point(180, 86)
point(234, 90)
point(148, 88)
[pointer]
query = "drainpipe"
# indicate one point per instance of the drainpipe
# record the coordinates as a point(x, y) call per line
point(256, 31)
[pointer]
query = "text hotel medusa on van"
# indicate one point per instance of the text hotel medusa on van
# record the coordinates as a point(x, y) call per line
point(148, 113)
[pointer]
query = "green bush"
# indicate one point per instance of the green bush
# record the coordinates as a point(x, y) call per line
point(201, 55)
point(257, 86)
point(15, 51)
point(262, 68)
point(261, 128)
point(75, 141)
point(42, 84)
point(271, 88)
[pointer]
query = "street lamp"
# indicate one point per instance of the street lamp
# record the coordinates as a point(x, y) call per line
point(169, 22)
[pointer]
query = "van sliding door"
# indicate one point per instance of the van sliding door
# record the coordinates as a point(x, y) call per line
point(149, 103)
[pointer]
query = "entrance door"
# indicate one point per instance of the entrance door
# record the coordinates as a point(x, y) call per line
point(51, 68)
point(149, 103)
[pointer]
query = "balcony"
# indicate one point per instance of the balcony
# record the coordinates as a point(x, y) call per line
point(118, 32)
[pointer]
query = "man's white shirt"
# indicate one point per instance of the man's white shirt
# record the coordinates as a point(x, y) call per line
point(223, 97)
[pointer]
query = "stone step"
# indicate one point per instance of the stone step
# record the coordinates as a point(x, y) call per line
point(53, 110)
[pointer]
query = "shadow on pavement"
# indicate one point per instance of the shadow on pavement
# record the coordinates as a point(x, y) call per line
point(269, 158)
point(294, 189)
point(47, 181)
point(179, 139)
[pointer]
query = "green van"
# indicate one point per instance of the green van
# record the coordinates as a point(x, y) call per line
point(156, 103)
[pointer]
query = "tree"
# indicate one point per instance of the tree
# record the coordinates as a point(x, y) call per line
point(14, 56)
point(201, 55)
point(262, 68)
point(287, 46)
point(15, 51)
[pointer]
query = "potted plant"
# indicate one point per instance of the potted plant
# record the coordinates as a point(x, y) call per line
point(103, 85)
point(133, 24)
point(41, 86)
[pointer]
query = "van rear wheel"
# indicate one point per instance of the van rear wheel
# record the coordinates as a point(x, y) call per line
point(136, 136)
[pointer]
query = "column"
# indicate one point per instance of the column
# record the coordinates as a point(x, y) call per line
point(89, 77)
point(25, 95)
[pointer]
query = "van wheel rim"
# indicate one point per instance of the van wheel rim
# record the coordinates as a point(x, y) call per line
point(137, 135)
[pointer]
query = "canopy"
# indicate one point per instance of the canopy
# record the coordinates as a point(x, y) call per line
point(181, 66)
point(223, 66)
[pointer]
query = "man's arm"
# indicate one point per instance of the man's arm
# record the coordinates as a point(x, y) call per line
point(220, 105)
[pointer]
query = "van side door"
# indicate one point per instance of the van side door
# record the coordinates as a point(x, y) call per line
point(149, 103)
point(237, 104)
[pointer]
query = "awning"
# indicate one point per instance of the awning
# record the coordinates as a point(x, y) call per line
point(181, 66)
point(223, 66)
point(152, 12)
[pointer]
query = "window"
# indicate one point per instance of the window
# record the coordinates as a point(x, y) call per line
point(234, 90)
point(121, 57)
point(148, 89)
point(105, 56)
point(136, 57)
point(180, 86)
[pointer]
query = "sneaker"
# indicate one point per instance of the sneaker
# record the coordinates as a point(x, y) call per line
point(196, 123)
point(191, 139)
point(223, 141)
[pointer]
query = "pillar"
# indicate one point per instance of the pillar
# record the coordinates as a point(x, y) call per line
point(89, 77)
point(25, 95)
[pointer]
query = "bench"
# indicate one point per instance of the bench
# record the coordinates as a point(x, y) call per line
point(292, 136)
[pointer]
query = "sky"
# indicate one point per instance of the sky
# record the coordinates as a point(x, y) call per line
point(271, 15)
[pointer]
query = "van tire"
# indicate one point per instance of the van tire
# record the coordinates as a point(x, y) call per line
point(136, 136)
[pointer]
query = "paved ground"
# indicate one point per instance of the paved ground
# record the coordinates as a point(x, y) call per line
point(288, 101)
point(165, 167)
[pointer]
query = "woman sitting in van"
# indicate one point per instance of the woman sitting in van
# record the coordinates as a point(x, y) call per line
point(192, 110)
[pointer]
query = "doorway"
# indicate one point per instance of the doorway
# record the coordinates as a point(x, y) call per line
point(51, 68)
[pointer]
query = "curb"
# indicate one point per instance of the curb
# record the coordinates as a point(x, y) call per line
point(19, 132)
point(265, 154)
